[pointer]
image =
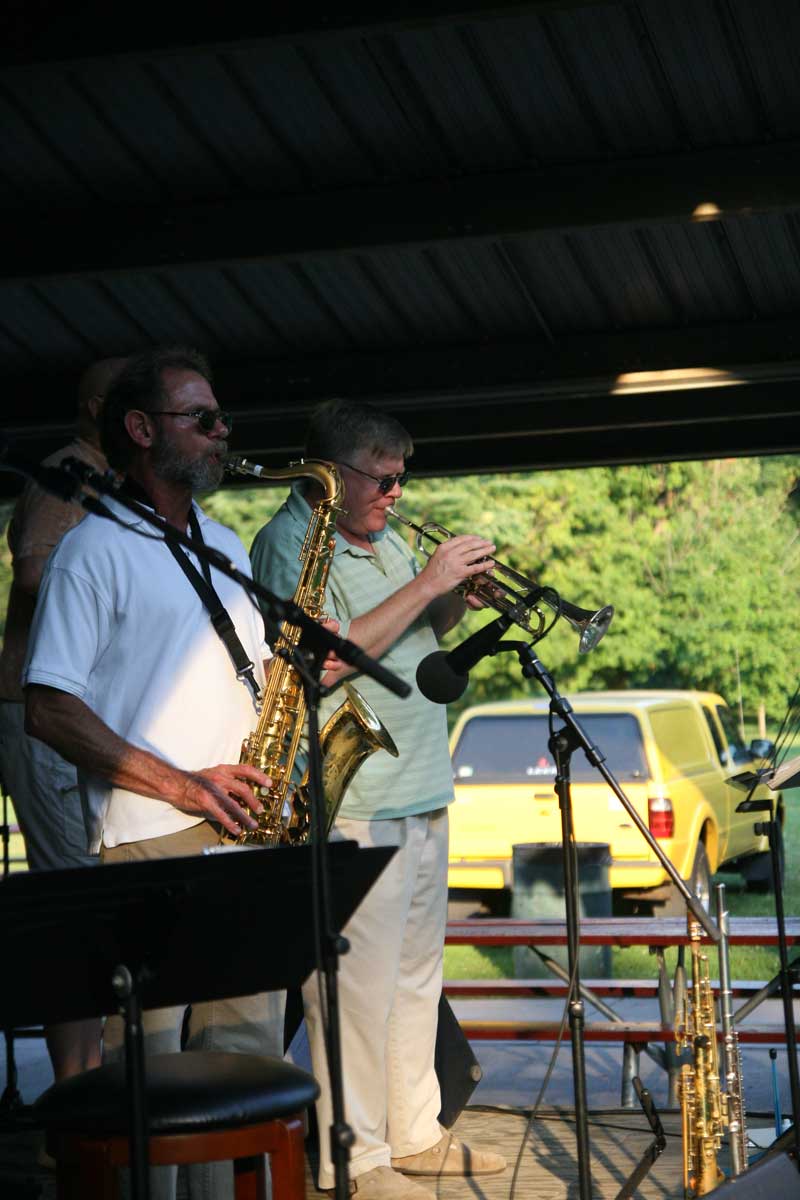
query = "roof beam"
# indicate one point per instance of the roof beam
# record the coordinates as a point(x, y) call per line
point(445, 428)
point(38, 31)
point(577, 364)
point(598, 421)
point(689, 188)
point(587, 363)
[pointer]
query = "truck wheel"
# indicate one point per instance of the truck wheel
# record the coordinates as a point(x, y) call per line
point(757, 870)
point(698, 883)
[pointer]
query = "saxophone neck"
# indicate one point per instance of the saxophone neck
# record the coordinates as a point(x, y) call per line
point(325, 474)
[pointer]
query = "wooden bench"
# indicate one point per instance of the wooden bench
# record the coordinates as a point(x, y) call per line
point(556, 989)
point(612, 931)
point(656, 1038)
point(636, 1033)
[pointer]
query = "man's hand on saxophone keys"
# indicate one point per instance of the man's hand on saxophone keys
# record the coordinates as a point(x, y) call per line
point(332, 661)
point(225, 794)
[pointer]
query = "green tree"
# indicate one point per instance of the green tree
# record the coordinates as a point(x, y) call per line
point(6, 510)
point(245, 509)
point(699, 559)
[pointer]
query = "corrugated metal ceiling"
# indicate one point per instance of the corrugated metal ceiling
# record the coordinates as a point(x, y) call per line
point(535, 105)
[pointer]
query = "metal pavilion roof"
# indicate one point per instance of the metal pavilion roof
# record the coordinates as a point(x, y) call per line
point(543, 233)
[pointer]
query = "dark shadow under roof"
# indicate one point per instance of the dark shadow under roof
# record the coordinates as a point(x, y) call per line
point(543, 234)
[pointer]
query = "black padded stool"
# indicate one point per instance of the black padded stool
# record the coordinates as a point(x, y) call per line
point(202, 1107)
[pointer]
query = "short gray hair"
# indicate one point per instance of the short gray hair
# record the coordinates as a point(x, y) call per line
point(341, 428)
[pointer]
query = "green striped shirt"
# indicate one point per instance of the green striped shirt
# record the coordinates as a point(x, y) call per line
point(421, 779)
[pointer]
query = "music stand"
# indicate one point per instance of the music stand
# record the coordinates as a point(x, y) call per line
point(172, 931)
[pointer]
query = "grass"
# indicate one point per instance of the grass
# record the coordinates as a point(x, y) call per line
point(636, 962)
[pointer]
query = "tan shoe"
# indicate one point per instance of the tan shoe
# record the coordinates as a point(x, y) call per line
point(382, 1183)
point(450, 1157)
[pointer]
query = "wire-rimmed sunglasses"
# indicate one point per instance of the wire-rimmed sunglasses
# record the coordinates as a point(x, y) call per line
point(206, 417)
point(385, 482)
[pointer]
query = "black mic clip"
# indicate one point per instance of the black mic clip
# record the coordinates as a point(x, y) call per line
point(443, 677)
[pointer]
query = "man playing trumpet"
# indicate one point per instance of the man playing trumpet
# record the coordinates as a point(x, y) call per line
point(390, 981)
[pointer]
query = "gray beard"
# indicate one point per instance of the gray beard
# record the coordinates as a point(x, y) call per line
point(199, 474)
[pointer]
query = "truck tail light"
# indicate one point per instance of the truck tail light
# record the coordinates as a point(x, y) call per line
point(660, 817)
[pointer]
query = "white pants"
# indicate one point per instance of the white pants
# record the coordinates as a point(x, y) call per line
point(241, 1025)
point(389, 986)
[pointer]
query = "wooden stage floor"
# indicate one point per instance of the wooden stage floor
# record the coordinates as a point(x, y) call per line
point(548, 1162)
point(548, 1167)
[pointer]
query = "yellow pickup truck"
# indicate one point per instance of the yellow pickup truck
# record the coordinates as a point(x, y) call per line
point(672, 752)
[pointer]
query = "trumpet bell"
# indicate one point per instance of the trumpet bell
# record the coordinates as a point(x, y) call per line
point(592, 626)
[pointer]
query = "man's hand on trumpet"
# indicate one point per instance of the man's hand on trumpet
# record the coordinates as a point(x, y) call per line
point(488, 590)
point(456, 566)
point(455, 561)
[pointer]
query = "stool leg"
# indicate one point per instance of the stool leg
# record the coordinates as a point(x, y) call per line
point(84, 1171)
point(286, 1159)
point(68, 1181)
point(99, 1178)
point(250, 1178)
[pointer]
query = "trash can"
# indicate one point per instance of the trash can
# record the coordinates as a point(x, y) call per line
point(538, 891)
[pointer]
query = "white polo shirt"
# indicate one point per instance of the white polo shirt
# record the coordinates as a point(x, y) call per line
point(119, 625)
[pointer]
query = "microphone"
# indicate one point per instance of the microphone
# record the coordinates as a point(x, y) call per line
point(443, 676)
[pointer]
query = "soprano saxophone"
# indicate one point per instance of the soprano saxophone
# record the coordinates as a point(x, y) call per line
point(351, 734)
point(731, 1053)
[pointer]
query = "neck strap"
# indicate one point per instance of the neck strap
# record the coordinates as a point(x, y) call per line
point(220, 618)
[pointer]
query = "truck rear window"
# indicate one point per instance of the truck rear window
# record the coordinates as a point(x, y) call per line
point(510, 749)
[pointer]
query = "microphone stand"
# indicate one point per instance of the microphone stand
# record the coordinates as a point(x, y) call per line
point(769, 827)
point(329, 943)
point(563, 742)
point(656, 1147)
point(307, 658)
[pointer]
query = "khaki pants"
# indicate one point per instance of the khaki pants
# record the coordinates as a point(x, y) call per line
point(389, 986)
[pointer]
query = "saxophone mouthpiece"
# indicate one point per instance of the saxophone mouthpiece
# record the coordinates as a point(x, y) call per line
point(236, 465)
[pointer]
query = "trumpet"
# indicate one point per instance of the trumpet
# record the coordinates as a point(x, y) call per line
point(510, 592)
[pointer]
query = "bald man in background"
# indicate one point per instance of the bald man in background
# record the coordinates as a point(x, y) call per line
point(43, 787)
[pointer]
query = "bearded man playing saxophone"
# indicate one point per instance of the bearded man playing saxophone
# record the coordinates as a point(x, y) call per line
point(390, 980)
point(127, 678)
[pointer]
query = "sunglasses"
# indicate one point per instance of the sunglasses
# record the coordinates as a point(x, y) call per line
point(206, 417)
point(385, 482)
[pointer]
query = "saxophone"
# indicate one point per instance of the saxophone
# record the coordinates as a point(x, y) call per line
point(706, 1110)
point(350, 735)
